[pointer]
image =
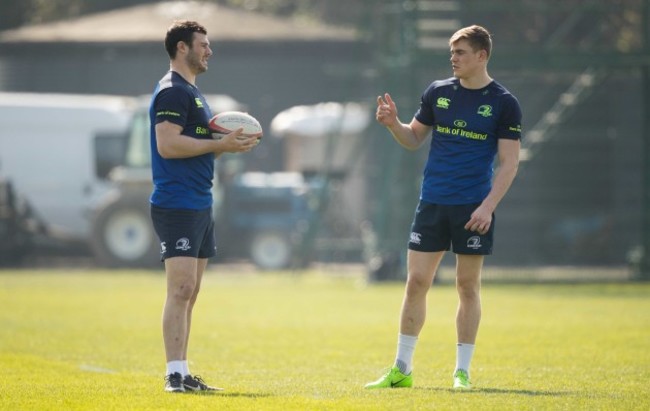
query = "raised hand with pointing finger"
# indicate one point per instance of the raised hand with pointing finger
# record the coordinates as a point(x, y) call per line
point(386, 111)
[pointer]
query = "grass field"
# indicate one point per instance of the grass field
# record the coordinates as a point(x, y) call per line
point(92, 340)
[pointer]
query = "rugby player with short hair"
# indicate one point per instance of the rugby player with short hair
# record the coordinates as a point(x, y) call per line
point(182, 159)
point(472, 119)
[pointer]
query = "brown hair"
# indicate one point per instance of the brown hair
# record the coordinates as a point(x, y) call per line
point(478, 37)
point(181, 30)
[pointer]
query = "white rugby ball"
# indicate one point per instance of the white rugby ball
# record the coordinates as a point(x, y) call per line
point(229, 121)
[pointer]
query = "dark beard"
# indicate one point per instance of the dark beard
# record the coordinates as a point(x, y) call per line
point(195, 64)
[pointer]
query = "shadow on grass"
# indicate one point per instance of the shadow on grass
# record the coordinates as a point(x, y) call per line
point(229, 394)
point(530, 393)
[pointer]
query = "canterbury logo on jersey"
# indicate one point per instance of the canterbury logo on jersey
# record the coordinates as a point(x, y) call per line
point(443, 102)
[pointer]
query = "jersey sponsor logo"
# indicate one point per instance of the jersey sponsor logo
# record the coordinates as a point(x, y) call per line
point(460, 123)
point(443, 102)
point(443, 129)
point(485, 110)
point(198, 102)
point(183, 244)
point(516, 129)
point(416, 238)
point(202, 131)
point(167, 113)
point(471, 134)
point(457, 131)
point(474, 242)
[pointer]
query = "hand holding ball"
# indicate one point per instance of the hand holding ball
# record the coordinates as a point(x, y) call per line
point(229, 121)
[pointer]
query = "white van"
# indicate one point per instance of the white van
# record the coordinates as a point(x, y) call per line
point(51, 149)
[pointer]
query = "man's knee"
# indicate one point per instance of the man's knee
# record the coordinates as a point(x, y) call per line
point(182, 290)
point(418, 282)
point(468, 287)
point(182, 286)
point(182, 280)
point(421, 270)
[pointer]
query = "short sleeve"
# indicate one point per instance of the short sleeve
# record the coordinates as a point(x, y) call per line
point(425, 113)
point(510, 119)
point(171, 104)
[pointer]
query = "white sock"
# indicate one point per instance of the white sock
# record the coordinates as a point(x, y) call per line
point(405, 350)
point(464, 354)
point(186, 369)
point(175, 366)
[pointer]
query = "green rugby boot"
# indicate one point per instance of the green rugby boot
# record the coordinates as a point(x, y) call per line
point(392, 379)
point(461, 380)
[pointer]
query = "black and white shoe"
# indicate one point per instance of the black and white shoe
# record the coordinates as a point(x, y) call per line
point(174, 383)
point(196, 383)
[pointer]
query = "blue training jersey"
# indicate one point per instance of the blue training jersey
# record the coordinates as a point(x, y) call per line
point(466, 127)
point(183, 183)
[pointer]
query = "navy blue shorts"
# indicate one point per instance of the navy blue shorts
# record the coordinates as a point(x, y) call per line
point(439, 227)
point(186, 233)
